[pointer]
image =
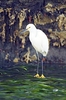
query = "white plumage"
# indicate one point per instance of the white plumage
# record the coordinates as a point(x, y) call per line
point(39, 41)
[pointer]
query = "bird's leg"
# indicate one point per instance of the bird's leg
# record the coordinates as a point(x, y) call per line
point(42, 76)
point(37, 75)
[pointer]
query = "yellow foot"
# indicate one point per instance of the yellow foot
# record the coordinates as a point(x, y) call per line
point(37, 75)
point(42, 76)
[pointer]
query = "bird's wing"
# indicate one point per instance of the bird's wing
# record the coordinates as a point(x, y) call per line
point(42, 42)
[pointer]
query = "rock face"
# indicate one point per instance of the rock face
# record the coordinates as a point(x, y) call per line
point(16, 14)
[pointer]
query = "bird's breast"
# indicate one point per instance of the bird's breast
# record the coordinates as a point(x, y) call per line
point(35, 43)
point(39, 42)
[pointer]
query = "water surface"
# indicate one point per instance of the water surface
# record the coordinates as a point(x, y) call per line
point(18, 83)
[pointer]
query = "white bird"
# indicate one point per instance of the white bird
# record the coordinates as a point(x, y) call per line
point(39, 41)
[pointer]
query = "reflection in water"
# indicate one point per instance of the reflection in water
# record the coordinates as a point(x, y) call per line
point(18, 83)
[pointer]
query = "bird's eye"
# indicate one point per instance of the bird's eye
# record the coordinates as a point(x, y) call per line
point(28, 28)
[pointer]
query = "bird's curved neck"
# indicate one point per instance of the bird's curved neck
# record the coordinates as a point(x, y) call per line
point(33, 32)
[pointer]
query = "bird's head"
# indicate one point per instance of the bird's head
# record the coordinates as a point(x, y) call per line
point(29, 27)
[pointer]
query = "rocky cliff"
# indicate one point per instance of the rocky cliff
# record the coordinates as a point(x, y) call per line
point(16, 14)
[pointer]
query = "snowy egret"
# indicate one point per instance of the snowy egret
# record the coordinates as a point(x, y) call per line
point(39, 41)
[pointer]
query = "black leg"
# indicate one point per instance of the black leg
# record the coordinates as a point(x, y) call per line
point(37, 75)
point(42, 66)
point(38, 63)
point(42, 76)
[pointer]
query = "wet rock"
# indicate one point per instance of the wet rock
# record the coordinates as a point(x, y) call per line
point(42, 19)
point(58, 35)
point(26, 57)
point(21, 16)
point(51, 18)
point(16, 60)
point(61, 20)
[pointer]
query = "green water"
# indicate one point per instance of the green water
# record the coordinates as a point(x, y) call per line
point(18, 83)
